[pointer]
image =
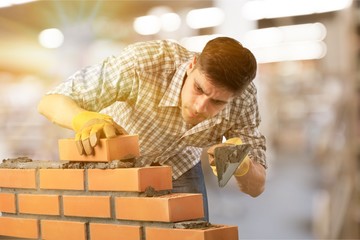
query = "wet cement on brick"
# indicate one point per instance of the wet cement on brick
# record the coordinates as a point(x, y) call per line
point(27, 163)
point(193, 225)
point(129, 163)
point(151, 192)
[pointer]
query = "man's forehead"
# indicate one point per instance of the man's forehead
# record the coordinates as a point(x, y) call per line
point(209, 89)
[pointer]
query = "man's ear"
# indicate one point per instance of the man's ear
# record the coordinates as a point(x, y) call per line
point(194, 60)
point(191, 65)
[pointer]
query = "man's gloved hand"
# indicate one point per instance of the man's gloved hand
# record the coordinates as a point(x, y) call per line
point(244, 166)
point(90, 127)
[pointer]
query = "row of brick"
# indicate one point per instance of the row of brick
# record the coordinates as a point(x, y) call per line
point(121, 179)
point(91, 204)
point(166, 208)
point(71, 230)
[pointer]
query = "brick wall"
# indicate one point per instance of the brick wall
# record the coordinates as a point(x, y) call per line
point(45, 200)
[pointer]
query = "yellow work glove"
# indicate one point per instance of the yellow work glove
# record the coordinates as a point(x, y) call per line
point(244, 166)
point(90, 127)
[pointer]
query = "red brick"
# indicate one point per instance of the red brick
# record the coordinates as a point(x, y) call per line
point(166, 208)
point(219, 232)
point(63, 230)
point(19, 227)
point(87, 206)
point(121, 147)
point(130, 179)
point(65, 179)
point(38, 204)
point(7, 203)
point(18, 178)
point(100, 231)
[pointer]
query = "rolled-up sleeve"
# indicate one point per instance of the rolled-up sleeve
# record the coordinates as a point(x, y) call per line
point(98, 86)
point(247, 124)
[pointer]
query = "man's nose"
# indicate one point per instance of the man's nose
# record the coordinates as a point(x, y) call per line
point(201, 105)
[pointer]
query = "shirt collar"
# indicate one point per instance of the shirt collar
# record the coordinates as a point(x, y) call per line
point(171, 97)
point(225, 113)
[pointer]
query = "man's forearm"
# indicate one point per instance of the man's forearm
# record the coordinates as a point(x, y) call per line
point(59, 109)
point(253, 182)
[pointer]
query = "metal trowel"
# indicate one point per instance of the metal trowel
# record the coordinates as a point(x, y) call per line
point(227, 160)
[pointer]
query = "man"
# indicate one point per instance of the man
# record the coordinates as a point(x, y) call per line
point(177, 101)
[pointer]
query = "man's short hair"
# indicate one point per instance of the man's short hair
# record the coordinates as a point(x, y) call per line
point(226, 63)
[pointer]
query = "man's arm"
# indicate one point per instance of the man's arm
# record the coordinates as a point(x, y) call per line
point(59, 109)
point(251, 175)
point(89, 126)
point(253, 182)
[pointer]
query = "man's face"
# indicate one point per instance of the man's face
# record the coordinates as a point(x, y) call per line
point(201, 100)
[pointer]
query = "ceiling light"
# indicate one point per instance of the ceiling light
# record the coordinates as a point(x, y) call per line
point(51, 38)
point(279, 35)
point(287, 43)
point(266, 9)
point(8, 3)
point(197, 43)
point(205, 17)
point(5, 4)
point(290, 52)
point(170, 22)
point(147, 25)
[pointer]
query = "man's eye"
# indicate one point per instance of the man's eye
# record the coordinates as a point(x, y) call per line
point(198, 89)
point(218, 102)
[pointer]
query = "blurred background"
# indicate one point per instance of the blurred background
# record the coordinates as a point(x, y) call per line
point(307, 82)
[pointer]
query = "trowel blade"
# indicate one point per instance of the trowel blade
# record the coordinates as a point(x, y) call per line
point(227, 160)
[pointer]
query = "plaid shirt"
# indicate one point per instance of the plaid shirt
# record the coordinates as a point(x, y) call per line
point(141, 88)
